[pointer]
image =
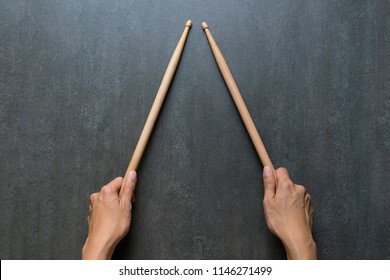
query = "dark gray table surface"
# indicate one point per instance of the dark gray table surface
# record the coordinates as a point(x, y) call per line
point(77, 80)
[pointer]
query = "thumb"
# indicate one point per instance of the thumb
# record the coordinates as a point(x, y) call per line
point(269, 183)
point(128, 187)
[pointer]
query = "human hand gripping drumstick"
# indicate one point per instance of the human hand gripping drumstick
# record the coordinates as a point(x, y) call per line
point(287, 206)
point(110, 208)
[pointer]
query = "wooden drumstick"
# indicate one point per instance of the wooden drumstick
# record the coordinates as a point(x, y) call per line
point(240, 104)
point(158, 102)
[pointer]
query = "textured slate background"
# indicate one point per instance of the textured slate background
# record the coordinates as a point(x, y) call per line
point(77, 80)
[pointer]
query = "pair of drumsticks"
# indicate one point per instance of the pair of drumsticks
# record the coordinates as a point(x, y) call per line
point(162, 91)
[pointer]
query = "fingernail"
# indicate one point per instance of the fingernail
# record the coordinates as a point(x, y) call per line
point(133, 175)
point(267, 171)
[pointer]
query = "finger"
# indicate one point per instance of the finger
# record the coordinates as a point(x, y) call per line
point(309, 204)
point(282, 173)
point(285, 185)
point(128, 187)
point(309, 209)
point(269, 183)
point(113, 186)
point(311, 213)
point(307, 201)
point(92, 198)
point(300, 190)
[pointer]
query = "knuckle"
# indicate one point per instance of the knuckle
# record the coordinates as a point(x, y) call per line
point(286, 183)
point(283, 169)
point(106, 189)
point(92, 197)
point(300, 190)
point(268, 185)
point(266, 203)
point(117, 181)
point(282, 173)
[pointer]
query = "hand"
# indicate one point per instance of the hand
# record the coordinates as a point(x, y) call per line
point(289, 214)
point(109, 217)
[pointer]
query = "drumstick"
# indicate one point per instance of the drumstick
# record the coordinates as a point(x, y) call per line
point(158, 102)
point(240, 104)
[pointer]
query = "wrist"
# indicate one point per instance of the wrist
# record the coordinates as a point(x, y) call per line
point(97, 250)
point(301, 250)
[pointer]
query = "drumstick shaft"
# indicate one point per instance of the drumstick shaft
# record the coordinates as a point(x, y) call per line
point(158, 102)
point(240, 104)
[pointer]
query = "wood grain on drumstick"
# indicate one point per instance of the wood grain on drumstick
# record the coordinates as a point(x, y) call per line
point(158, 102)
point(240, 104)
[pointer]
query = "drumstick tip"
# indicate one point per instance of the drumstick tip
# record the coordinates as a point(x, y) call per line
point(204, 25)
point(189, 23)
